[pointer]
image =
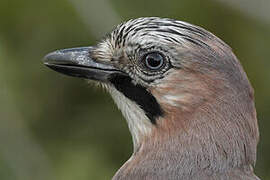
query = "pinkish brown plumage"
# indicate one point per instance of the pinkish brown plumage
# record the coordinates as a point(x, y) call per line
point(187, 100)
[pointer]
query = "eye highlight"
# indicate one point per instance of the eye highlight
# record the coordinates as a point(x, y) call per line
point(153, 61)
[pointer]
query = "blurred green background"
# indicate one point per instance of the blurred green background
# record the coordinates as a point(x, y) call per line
point(54, 127)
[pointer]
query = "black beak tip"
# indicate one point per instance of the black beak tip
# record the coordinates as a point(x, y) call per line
point(53, 58)
point(46, 59)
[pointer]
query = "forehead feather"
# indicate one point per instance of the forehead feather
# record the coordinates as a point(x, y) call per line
point(158, 30)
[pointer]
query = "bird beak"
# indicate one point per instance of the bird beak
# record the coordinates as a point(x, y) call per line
point(78, 62)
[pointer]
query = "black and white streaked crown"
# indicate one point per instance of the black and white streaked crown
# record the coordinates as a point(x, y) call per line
point(165, 30)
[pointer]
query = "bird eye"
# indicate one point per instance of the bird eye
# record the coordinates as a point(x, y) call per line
point(154, 60)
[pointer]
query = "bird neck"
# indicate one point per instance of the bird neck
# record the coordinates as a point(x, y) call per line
point(218, 138)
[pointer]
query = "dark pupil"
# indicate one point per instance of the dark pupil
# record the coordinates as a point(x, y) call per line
point(154, 60)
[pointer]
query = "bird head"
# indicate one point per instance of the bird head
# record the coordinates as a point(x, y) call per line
point(178, 86)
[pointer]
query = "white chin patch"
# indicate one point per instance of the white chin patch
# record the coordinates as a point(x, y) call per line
point(138, 123)
point(98, 84)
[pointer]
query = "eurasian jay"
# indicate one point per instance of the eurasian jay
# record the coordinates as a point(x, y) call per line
point(186, 98)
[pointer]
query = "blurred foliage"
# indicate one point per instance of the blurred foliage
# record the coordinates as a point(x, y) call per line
point(57, 127)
